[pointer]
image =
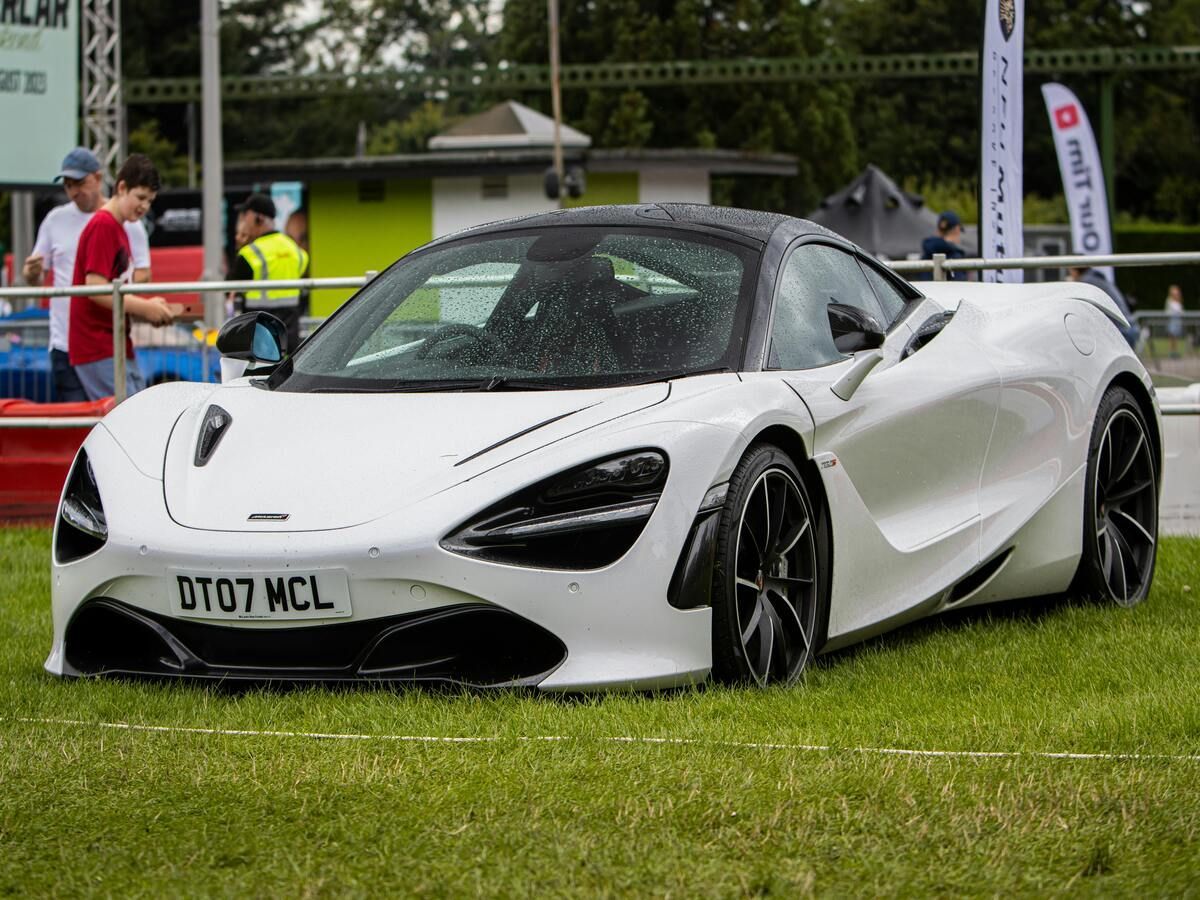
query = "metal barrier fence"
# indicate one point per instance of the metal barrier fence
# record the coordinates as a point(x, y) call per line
point(186, 356)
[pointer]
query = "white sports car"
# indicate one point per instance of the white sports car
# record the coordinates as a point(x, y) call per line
point(614, 447)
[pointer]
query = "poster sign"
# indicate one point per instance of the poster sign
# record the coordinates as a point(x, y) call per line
point(1001, 229)
point(1082, 173)
point(39, 87)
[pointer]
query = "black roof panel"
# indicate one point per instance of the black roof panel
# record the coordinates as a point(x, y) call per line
point(748, 223)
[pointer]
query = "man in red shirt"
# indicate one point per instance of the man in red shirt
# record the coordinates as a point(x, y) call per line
point(104, 256)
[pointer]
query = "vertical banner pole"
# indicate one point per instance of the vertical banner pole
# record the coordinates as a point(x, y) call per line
point(1001, 182)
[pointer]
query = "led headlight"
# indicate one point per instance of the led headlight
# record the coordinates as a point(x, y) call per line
point(584, 518)
point(82, 528)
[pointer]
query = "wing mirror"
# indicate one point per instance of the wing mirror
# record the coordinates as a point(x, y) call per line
point(854, 329)
point(252, 338)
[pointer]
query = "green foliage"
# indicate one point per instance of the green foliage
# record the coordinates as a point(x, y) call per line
point(410, 135)
point(811, 121)
point(1149, 283)
point(925, 130)
point(171, 164)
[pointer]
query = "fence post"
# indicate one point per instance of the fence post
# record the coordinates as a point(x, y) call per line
point(118, 311)
point(939, 267)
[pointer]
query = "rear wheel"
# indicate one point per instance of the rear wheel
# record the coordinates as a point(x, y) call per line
point(1120, 522)
point(768, 591)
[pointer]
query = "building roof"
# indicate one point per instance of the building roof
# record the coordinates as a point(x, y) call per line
point(508, 124)
point(510, 161)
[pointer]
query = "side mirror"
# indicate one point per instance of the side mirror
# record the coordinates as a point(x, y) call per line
point(249, 339)
point(853, 329)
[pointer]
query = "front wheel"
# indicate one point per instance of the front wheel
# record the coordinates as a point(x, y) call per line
point(768, 590)
point(1120, 518)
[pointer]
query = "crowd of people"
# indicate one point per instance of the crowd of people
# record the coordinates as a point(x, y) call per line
point(95, 239)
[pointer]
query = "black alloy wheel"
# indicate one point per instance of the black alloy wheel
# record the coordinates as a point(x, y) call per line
point(768, 593)
point(1121, 504)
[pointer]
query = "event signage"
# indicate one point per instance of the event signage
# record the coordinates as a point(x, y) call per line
point(1001, 230)
point(39, 87)
point(1082, 173)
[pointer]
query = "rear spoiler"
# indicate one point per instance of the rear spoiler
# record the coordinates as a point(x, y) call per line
point(951, 293)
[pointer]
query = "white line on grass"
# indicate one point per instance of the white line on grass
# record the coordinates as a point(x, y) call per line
point(549, 738)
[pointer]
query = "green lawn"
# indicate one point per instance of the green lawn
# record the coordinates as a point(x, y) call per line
point(87, 810)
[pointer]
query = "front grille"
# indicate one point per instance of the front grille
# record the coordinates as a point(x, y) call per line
point(472, 644)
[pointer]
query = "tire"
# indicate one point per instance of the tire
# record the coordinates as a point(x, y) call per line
point(1120, 507)
point(769, 588)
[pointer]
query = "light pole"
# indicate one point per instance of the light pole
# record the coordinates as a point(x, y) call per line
point(212, 158)
point(556, 98)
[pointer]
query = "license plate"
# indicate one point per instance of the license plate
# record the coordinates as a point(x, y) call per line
point(292, 595)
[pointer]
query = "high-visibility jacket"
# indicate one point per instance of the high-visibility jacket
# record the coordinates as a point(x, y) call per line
point(274, 257)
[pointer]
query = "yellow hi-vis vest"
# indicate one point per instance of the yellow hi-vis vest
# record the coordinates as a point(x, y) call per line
point(274, 257)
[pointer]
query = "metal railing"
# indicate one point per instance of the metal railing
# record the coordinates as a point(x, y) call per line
point(939, 266)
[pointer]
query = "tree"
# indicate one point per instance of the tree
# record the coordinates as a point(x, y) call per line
point(811, 121)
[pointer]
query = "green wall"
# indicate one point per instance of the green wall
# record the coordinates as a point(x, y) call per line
point(349, 235)
point(605, 188)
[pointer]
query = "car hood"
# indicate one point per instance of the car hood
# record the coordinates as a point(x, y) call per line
point(330, 461)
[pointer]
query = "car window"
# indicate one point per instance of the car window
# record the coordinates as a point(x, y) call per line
point(891, 301)
point(814, 276)
point(566, 306)
point(464, 296)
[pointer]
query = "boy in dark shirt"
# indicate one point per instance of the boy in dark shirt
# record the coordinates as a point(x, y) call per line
point(104, 256)
point(948, 240)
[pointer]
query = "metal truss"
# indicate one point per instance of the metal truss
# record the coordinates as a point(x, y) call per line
point(103, 106)
point(514, 79)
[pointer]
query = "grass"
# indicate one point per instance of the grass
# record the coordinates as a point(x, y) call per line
point(92, 811)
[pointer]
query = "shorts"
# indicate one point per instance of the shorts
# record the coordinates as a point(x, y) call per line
point(97, 378)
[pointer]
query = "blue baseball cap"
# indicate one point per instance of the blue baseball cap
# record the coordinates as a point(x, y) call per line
point(949, 219)
point(78, 164)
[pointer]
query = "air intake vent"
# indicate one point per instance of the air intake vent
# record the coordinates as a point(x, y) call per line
point(216, 423)
point(978, 580)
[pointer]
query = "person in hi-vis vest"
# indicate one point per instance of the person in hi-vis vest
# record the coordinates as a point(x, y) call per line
point(265, 254)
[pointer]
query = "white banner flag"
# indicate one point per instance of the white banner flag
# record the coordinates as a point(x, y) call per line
point(1001, 230)
point(39, 88)
point(1082, 174)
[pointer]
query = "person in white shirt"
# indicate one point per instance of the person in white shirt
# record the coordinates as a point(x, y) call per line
point(57, 240)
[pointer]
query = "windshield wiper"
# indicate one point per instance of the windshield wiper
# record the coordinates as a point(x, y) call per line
point(682, 373)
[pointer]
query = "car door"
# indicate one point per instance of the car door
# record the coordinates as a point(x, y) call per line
point(905, 451)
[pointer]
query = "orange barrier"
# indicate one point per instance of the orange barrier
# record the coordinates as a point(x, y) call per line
point(34, 461)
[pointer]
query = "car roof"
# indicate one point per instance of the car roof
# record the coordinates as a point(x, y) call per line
point(747, 223)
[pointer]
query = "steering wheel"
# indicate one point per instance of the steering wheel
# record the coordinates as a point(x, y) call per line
point(457, 329)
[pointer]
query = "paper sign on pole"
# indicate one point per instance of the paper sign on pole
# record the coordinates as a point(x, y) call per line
point(1082, 174)
point(39, 88)
point(1001, 230)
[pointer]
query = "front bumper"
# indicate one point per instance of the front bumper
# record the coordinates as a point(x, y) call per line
point(462, 620)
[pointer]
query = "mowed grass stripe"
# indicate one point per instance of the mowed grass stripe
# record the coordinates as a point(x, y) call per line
point(125, 812)
point(548, 738)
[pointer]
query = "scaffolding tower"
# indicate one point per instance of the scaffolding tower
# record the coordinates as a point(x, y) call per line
point(104, 125)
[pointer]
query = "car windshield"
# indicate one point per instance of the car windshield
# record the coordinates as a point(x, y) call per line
point(540, 309)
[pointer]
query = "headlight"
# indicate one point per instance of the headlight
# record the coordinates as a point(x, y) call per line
point(82, 528)
point(584, 518)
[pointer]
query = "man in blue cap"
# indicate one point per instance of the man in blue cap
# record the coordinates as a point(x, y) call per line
point(948, 240)
point(57, 240)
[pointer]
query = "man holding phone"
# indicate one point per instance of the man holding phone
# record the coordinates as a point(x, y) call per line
point(55, 248)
